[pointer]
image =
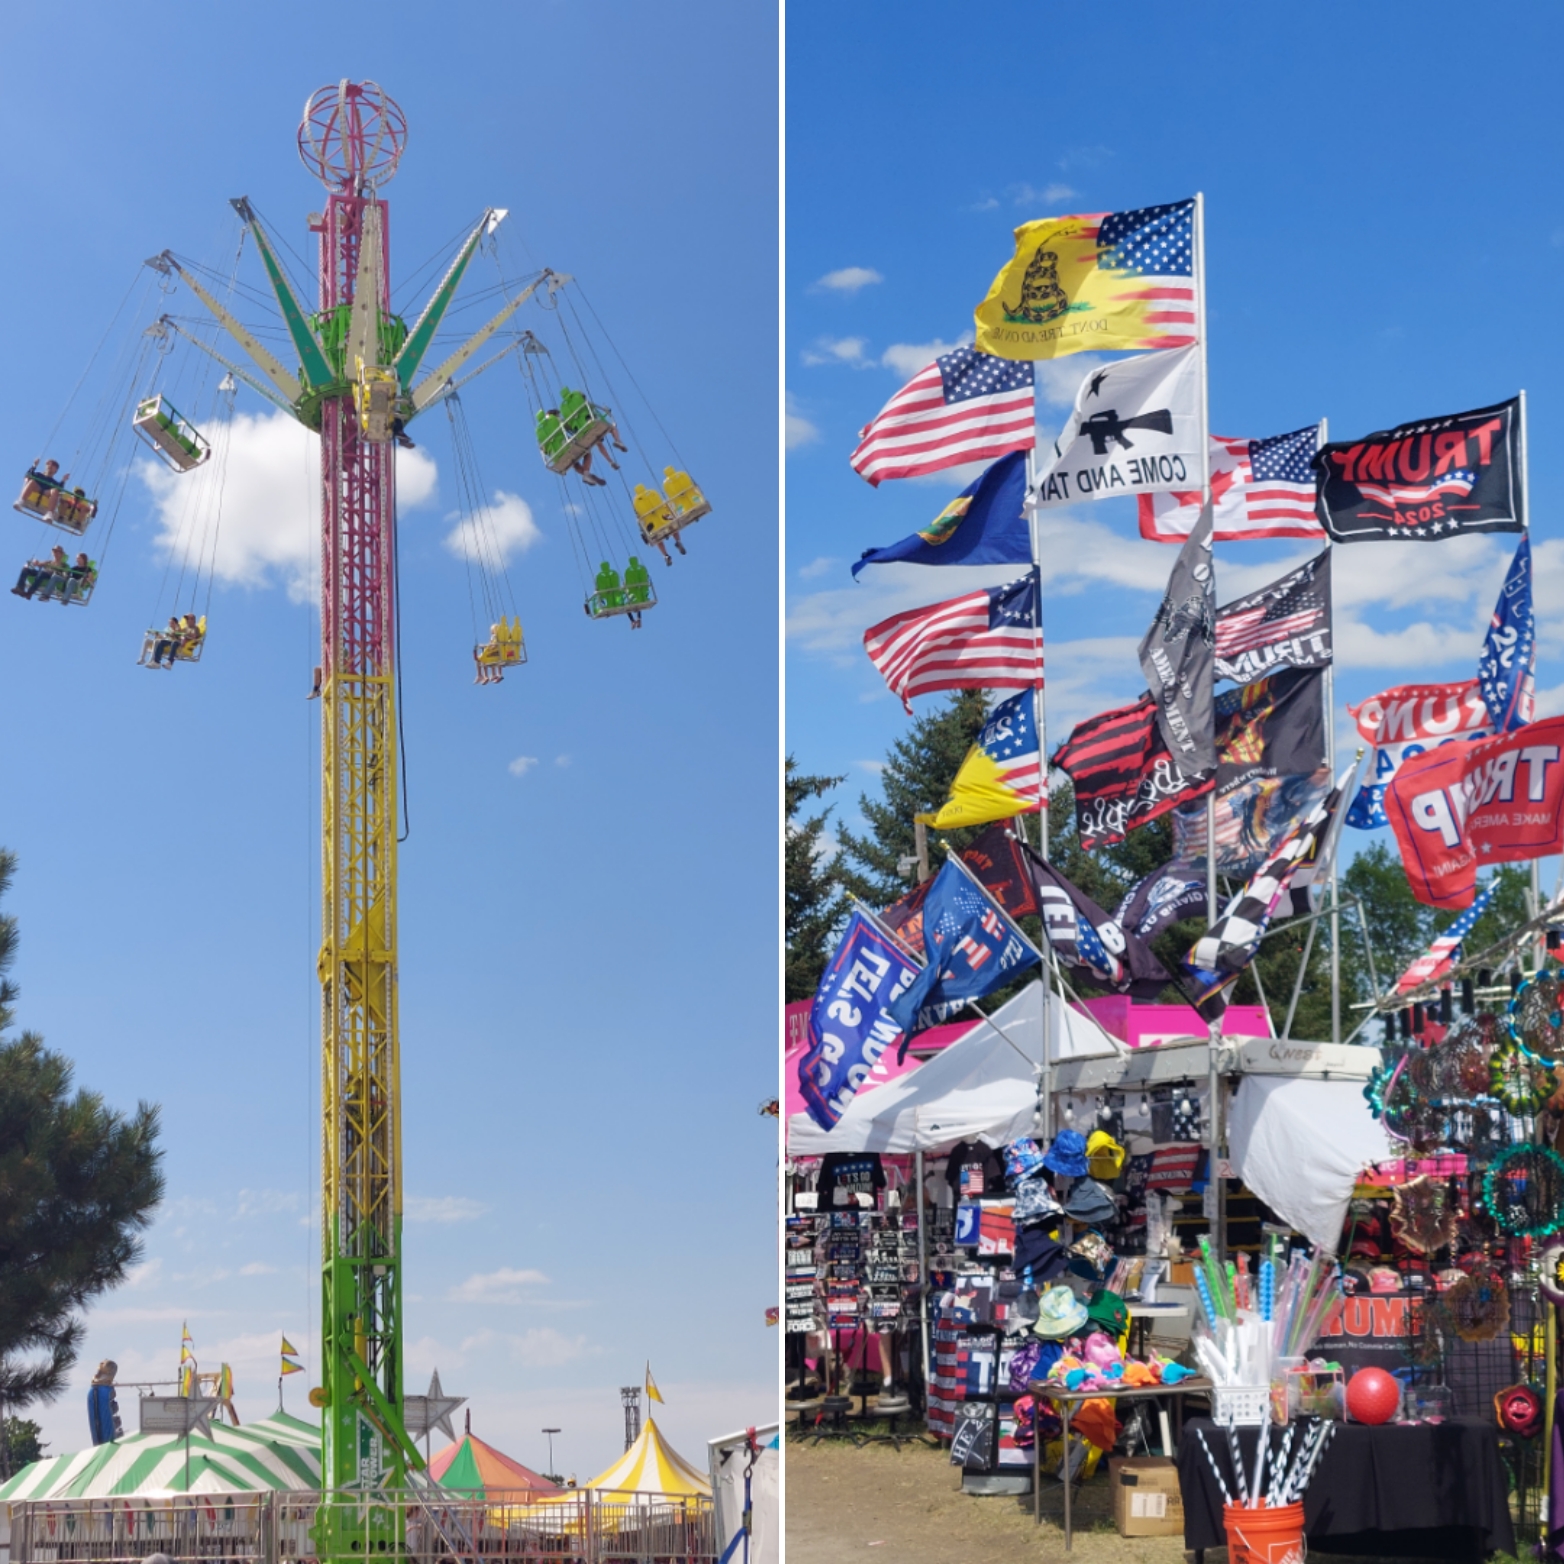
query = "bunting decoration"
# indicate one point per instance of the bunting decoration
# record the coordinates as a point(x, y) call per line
point(288, 1354)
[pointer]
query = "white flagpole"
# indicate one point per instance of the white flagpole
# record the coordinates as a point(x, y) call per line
point(1045, 1080)
point(1539, 945)
point(1214, 1029)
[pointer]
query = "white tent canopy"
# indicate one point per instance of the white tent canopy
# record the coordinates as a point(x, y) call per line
point(1299, 1145)
point(982, 1086)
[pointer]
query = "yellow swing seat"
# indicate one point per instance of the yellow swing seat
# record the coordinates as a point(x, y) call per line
point(505, 647)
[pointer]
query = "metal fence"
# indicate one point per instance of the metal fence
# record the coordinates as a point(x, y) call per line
point(281, 1528)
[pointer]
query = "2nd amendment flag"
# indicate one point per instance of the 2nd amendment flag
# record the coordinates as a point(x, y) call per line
point(1437, 478)
point(1136, 429)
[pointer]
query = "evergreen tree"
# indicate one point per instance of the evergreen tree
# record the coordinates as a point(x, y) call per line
point(78, 1184)
point(814, 900)
point(918, 772)
point(22, 1444)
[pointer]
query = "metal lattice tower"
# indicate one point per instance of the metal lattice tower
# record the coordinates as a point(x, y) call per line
point(630, 1395)
point(359, 382)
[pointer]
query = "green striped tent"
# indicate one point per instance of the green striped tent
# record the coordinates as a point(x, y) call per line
point(279, 1452)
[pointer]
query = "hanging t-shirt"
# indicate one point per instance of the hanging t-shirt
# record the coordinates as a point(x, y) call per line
point(845, 1174)
point(974, 1171)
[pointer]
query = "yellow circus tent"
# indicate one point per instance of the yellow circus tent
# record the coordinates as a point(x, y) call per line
point(651, 1465)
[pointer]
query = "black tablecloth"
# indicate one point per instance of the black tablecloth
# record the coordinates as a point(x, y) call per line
point(1395, 1478)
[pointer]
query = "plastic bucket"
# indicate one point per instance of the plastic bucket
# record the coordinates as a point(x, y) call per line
point(1264, 1536)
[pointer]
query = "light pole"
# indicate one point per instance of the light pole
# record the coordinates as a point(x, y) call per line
point(551, 1432)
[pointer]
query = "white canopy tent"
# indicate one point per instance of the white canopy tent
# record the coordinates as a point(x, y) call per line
point(982, 1087)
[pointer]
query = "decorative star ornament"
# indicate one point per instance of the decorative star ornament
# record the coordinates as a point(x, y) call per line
point(424, 1414)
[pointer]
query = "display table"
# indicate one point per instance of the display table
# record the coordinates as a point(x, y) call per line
point(1401, 1478)
point(1067, 1401)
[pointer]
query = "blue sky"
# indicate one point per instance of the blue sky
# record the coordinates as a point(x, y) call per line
point(588, 895)
point(1385, 241)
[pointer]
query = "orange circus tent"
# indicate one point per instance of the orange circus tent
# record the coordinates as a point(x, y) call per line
point(476, 1470)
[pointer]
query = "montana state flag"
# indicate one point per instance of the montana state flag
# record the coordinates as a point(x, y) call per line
point(999, 778)
point(1102, 281)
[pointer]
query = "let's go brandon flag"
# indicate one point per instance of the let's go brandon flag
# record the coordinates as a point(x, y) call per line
point(1102, 281)
point(1498, 800)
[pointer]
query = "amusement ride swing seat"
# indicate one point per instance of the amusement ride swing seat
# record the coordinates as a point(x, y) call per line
point(505, 647)
point(567, 433)
point(376, 392)
point(160, 425)
point(183, 643)
point(46, 498)
point(58, 581)
point(613, 596)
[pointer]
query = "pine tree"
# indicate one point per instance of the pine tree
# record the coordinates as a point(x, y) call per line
point(78, 1184)
point(917, 776)
point(813, 898)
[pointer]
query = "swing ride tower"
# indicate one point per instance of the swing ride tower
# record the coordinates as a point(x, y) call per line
point(352, 140)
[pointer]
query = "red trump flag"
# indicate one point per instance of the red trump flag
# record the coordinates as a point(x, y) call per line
point(1466, 805)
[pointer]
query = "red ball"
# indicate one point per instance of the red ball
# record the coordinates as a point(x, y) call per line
point(1373, 1396)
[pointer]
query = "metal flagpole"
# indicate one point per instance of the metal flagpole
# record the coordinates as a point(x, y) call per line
point(1045, 1077)
point(1214, 1028)
point(1539, 945)
point(1330, 764)
point(923, 1284)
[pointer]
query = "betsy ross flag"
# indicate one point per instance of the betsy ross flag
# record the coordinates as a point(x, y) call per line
point(1093, 282)
point(1259, 489)
point(987, 640)
point(1445, 951)
point(964, 407)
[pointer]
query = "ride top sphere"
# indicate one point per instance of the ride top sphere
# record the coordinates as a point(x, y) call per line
point(352, 135)
point(1373, 1396)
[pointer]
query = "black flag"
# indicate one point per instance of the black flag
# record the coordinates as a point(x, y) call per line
point(1177, 653)
point(1438, 478)
point(1283, 625)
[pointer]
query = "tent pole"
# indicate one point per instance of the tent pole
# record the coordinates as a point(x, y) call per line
point(923, 1289)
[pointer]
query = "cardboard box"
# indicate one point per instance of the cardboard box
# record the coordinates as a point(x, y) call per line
point(1146, 1500)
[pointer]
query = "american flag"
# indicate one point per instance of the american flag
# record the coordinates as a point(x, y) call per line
point(991, 639)
point(964, 407)
point(1259, 489)
point(1456, 485)
point(1441, 955)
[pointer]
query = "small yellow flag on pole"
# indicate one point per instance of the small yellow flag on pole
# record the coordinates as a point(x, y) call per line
point(288, 1349)
point(186, 1342)
point(652, 1392)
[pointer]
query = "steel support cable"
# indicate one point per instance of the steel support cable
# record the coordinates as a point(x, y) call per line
point(140, 279)
point(646, 400)
point(445, 252)
point(451, 403)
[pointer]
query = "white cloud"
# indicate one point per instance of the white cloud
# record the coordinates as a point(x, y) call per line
point(562, 760)
point(1049, 195)
point(798, 429)
point(907, 358)
point(502, 1286)
point(521, 765)
point(876, 766)
point(257, 1268)
point(818, 567)
point(987, 204)
point(838, 350)
point(496, 532)
point(540, 1347)
point(1058, 379)
point(268, 525)
point(442, 1208)
point(849, 279)
point(268, 1202)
